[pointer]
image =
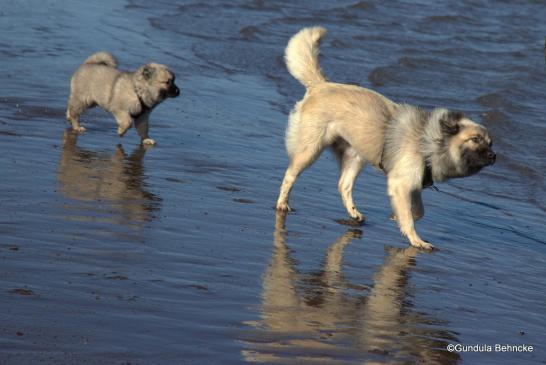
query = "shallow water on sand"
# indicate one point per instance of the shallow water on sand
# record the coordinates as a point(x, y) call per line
point(112, 253)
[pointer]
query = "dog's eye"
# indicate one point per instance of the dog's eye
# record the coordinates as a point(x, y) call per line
point(476, 139)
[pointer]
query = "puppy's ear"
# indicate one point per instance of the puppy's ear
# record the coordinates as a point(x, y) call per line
point(450, 122)
point(147, 72)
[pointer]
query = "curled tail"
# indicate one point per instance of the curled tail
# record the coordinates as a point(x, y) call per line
point(102, 58)
point(301, 56)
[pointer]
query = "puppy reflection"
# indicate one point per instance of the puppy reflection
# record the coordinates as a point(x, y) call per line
point(318, 318)
point(115, 182)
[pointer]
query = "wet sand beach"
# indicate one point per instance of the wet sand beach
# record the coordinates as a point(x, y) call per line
point(112, 253)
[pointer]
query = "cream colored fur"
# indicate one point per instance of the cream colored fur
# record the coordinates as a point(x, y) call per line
point(362, 126)
point(129, 96)
point(301, 56)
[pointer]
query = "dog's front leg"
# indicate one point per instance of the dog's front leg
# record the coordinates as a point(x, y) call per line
point(124, 122)
point(401, 199)
point(417, 208)
point(141, 125)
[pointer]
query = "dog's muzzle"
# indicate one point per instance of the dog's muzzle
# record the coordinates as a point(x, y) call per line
point(491, 157)
point(174, 91)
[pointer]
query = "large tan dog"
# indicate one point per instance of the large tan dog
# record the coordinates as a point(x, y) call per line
point(414, 147)
point(129, 96)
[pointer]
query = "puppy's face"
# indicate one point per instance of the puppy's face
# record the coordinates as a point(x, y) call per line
point(469, 143)
point(159, 81)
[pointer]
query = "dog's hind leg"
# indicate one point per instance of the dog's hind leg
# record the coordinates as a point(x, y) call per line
point(74, 111)
point(300, 160)
point(350, 164)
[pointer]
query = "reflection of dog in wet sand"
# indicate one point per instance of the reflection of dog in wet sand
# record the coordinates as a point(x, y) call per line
point(112, 183)
point(415, 148)
point(323, 317)
point(129, 96)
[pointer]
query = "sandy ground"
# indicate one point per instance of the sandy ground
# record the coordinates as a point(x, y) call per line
point(115, 254)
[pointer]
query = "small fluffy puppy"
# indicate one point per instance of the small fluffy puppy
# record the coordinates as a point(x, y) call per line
point(415, 148)
point(129, 96)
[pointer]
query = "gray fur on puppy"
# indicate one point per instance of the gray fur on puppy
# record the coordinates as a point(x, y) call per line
point(414, 147)
point(128, 96)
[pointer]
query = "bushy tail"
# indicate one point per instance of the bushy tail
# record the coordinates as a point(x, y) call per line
point(301, 56)
point(101, 58)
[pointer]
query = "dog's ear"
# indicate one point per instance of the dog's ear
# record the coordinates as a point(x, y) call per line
point(147, 72)
point(450, 122)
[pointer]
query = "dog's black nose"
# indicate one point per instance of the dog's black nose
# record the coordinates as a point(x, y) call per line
point(492, 157)
point(176, 91)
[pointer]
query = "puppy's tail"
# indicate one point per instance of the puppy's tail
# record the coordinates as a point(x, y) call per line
point(102, 58)
point(301, 56)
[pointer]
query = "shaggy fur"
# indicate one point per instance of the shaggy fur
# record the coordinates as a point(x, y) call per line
point(412, 146)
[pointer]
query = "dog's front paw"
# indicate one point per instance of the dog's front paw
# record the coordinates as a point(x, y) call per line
point(78, 129)
point(284, 207)
point(148, 142)
point(357, 216)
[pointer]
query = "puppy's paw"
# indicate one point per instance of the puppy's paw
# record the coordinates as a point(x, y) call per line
point(284, 207)
point(423, 245)
point(79, 129)
point(148, 142)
